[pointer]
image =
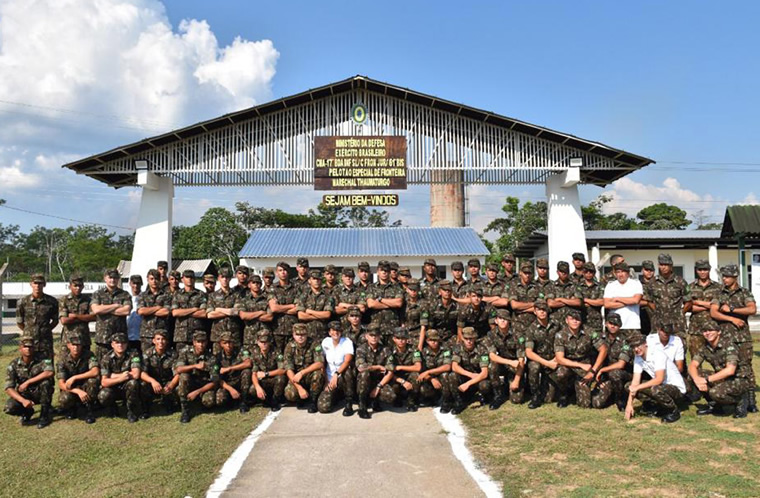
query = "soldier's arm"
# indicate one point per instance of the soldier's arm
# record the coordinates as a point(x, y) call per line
point(632, 395)
point(559, 357)
point(280, 308)
point(243, 365)
point(205, 388)
point(520, 306)
point(44, 375)
point(89, 374)
point(104, 309)
point(618, 365)
point(251, 315)
point(461, 371)
point(600, 357)
point(114, 379)
point(312, 368)
point(124, 309)
point(748, 310)
point(728, 371)
point(416, 366)
point(699, 381)
point(555, 303)
point(13, 393)
point(716, 314)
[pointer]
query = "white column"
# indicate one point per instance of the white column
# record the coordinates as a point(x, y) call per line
point(153, 237)
point(595, 256)
point(712, 258)
point(565, 222)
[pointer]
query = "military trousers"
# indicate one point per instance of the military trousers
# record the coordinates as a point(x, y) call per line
point(40, 393)
point(189, 383)
point(313, 383)
point(366, 382)
point(483, 388)
point(429, 392)
point(746, 353)
point(665, 396)
point(346, 388)
point(128, 391)
point(541, 381)
point(567, 377)
point(274, 387)
point(241, 383)
point(148, 396)
point(395, 392)
point(501, 376)
point(727, 391)
point(69, 400)
point(612, 389)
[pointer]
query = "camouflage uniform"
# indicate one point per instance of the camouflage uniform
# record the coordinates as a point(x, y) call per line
point(480, 319)
point(509, 347)
point(459, 289)
point(129, 391)
point(195, 379)
point(493, 289)
point(19, 372)
point(727, 352)
point(349, 295)
point(321, 301)
point(581, 348)
point(67, 367)
point(272, 360)
point(39, 317)
point(567, 290)
point(366, 381)
point(231, 324)
point(412, 319)
point(252, 327)
point(151, 323)
point(540, 340)
point(186, 325)
point(283, 323)
point(161, 368)
point(239, 379)
point(108, 325)
point(77, 305)
point(298, 358)
point(434, 359)
point(698, 292)
point(442, 318)
point(429, 289)
point(645, 312)
point(407, 358)
point(669, 296)
point(523, 293)
point(613, 387)
point(388, 319)
point(591, 315)
point(474, 360)
point(301, 286)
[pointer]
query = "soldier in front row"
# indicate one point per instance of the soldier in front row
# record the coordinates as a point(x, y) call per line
point(404, 363)
point(198, 375)
point(506, 350)
point(436, 365)
point(304, 365)
point(612, 378)
point(234, 373)
point(469, 371)
point(539, 351)
point(120, 377)
point(159, 380)
point(268, 367)
point(29, 380)
point(371, 359)
point(78, 376)
point(37, 316)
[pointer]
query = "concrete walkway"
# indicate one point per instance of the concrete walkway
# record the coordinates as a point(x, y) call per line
point(393, 454)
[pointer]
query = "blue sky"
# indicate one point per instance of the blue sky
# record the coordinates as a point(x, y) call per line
point(674, 81)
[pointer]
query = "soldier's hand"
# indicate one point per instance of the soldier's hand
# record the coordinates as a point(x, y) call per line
point(423, 376)
point(234, 393)
point(436, 383)
point(588, 377)
point(633, 389)
point(629, 411)
point(260, 393)
point(725, 308)
point(82, 396)
point(586, 367)
point(69, 383)
point(739, 324)
point(515, 384)
point(200, 366)
point(23, 386)
point(407, 385)
point(192, 395)
point(167, 389)
point(464, 387)
point(701, 384)
point(302, 392)
point(27, 403)
point(374, 392)
point(297, 378)
point(333, 384)
point(260, 375)
point(224, 370)
point(156, 387)
point(599, 376)
point(553, 364)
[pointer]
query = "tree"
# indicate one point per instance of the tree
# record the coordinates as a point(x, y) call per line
point(323, 217)
point(218, 235)
point(663, 217)
point(595, 219)
point(518, 224)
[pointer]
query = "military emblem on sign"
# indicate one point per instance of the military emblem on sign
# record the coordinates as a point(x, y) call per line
point(359, 113)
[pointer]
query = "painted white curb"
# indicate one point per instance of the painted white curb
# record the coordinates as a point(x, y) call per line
point(233, 464)
point(456, 436)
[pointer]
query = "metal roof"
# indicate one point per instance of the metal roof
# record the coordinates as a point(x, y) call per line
point(362, 242)
point(741, 220)
point(94, 166)
point(199, 266)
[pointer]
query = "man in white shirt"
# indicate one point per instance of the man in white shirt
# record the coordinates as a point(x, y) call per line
point(664, 336)
point(339, 353)
point(134, 320)
point(623, 296)
point(665, 386)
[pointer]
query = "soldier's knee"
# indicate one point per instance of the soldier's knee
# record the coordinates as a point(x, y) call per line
point(106, 396)
point(208, 399)
point(290, 393)
point(324, 403)
point(66, 400)
point(484, 386)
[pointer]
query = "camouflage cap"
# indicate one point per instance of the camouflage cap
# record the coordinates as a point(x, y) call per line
point(136, 279)
point(299, 329)
point(492, 267)
point(647, 265)
point(120, 338)
point(508, 257)
point(190, 273)
point(542, 263)
point(457, 265)
point(200, 336)
point(315, 274)
point(664, 259)
point(226, 335)
point(432, 335)
point(702, 264)
point(175, 274)
point(302, 262)
point(264, 336)
point(474, 262)
point(614, 319)
point(502, 313)
point(405, 272)
point(354, 311)
point(622, 266)
point(444, 284)
point(526, 267)
point(113, 273)
point(563, 266)
point(225, 271)
point(74, 338)
point(267, 272)
point(26, 341)
point(636, 339)
point(401, 332)
point(255, 279)
point(709, 326)
point(574, 313)
point(162, 264)
point(38, 278)
point(243, 269)
point(363, 266)
point(284, 265)
point(373, 329)
point(579, 256)
point(394, 266)
point(589, 266)
point(348, 272)
point(335, 325)
point(76, 278)
point(383, 265)
point(209, 277)
point(413, 284)
point(469, 333)
point(162, 332)
point(330, 269)
point(477, 290)
point(730, 270)
point(541, 304)
point(430, 261)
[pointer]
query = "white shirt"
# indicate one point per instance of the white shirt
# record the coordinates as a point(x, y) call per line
point(133, 322)
point(629, 315)
point(657, 360)
point(335, 355)
point(673, 349)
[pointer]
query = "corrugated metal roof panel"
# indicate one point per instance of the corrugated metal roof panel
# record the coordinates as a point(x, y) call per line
point(199, 266)
point(742, 219)
point(360, 242)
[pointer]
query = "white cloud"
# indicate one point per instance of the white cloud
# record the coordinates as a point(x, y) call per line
point(750, 199)
point(14, 177)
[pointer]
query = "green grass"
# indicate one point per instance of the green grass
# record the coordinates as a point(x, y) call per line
point(575, 452)
point(157, 457)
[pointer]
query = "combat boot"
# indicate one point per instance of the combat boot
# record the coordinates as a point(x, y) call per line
point(363, 413)
point(244, 404)
point(458, 408)
point(445, 407)
point(71, 413)
point(535, 401)
point(131, 417)
point(672, 416)
point(184, 418)
point(707, 410)
point(740, 411)
point(145, 415)
point(312, 404)
point(563, 402)
point(169, 405)
point(89, 417)
point(376, 406)
point(275, 404)
point(349, 409)
point(44, 417)
point(411, 404)
point(498, 400)
point(752, 405)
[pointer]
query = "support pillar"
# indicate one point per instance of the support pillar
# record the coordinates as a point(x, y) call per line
point(564, 220)
point(153, 237)
point(743, 281)
point(712, 258)
point(447, 202)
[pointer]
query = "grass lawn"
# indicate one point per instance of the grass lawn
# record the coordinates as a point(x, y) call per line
point(156, 457)
point(574, 452)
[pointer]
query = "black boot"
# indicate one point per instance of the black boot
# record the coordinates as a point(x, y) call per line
point(752, 404)
point(411, 403)
point(562, 402)
point(672, 416)
point(131, 417)
point(458, 407)
point(275, 404)
point(244, 408)
point(71, 413)
point(169, 406)
point(363, 413)
point(740, 411)
point(184, 418)
point(445, 406)
point(376, 407)
point(113, 410)
point(89, 417)
point(26, 416)
point(145, 415)
point(349, 409)
point(44, 417)
point(707, 410)
point(648, 409)
point(301, 404)
point(312, 405)
point(498, 400)
point(535, 400)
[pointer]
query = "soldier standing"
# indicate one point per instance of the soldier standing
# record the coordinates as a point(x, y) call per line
point(189, 311)
point(111, 306)
point(701, 294)
point(120, 376)
point(301, 282)
point(436, 365)
point(154, 307)
point(429, 284)
point(567, 296)
point(458, 283)
point(507, 354)
point(579, 260)
point(477, 315)
point(221, 309)
point(442, 314)
point(645, 311)
point(282, 304)
point(544, 285)
point(522, 296)
point(385, 300)
point(78, 379)
point(493, 288)
point(612, 378)
point(331, 281)
point(209, 284)
point(510, 272)
point(74, 312)
point(234, 372)
point(198, 375)
point(364, 278)
point(242, 273)
point(469, 371)
point(411, 314)
point(667, 296)
point(163, 272)
point(539, 350)
point(592, 297)
point(269, 379)
point(347, 295)
point(304, 366)
point(371, 359)
point(315, 307)
point(158, 379)
point(29, 380)
point(268, 277)
point(253, 309)
point(37, 316)
point(475, 280)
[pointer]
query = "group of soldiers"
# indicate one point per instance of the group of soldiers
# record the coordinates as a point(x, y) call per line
point(512, 335)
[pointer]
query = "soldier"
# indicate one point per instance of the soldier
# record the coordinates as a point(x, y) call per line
point(163, 272)
point(667, 296)
point(664, 387)
point(354, 330)
point(209, 284)
point(189, 310)
point(700, 295)
point(158, 378)
point(615, 259)
point(729, 383)
point(566, 295)
point(645, 312)
point(282, 304)
point(111, 306)
point(242, 273)
point(331, 282)
point(174, 279)
point(477, 315)
point(301, 282)
point(221, 309)
point(539, 350)
point(269, 379)
point(411, 314)
point(315, 307)
point(364, 277)
point(433, 380)
point(592, 297)
point(493, 288)
point(731, 308)
point(341, 380)
point(119, 377)
point(404, 274)
point(544, 285)
point(612, 378)
point(37, 316)
point(153, 306)
point(429, 284)
point(78, 379)
point(510, 273)
point(442, 314)
point(580, 356)
point(371, 359)
point(198, 375)
point(347, 295)
point(623, 296)
point(579, 261)
point(234, 372)
point(404, 363)
point(29, 380)
point(253, 309)
point(458, 283)
point(385, 300)
point(507, 354)
point(393, 274)
point(268, 277)
point(304, 367)
point(522, 295)
point(469, 371)
point(475, 280)
point(74, 313)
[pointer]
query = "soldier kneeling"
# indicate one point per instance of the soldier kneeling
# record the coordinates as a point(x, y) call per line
point(198, 375)
point(269, 379)
point(434, 384)
point(159, 381)
point(29, 380)
point(469, 371)
point(371, 358)
point(78, 379)
point(119, 377)
point(305, 369)
point(234, 373)
point(405, 364)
